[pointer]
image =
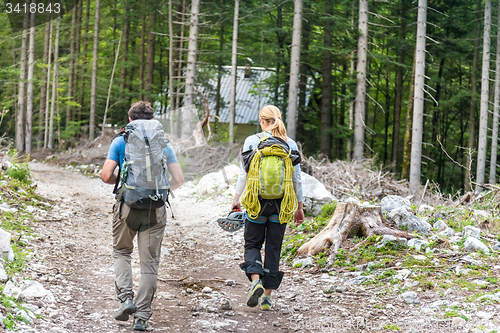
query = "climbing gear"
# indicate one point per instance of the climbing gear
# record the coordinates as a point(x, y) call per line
point(126, 308)
point(140, 324)
point(144, 183)
point(265, 303)
point(233, 222)
point(256, 290)
point(270, 172)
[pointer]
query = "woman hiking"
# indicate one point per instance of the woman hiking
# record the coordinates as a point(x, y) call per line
point(269, 206)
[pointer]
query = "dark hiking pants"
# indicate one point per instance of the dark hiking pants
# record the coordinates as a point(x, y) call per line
point(255, 235)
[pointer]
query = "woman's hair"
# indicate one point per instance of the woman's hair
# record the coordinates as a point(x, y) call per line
point(141, 110)
point(272, 116)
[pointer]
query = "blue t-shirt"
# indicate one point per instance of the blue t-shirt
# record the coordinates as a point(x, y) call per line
point(117, 152)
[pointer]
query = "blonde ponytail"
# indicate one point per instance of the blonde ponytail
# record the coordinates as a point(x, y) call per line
point(272, 115)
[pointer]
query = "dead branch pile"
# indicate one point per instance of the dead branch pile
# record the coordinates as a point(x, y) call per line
point(362, 180)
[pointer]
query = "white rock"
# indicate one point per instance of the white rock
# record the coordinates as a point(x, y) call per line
point(11, 290)
point(458, 322)
point(406, 220)
point(481, 283)
point(3, 274)
point(315, 195)
point(36, 290)
point(417, 243)
point(482, 213)
point(207, 290)
point(410, 297)
point(420, 257)
point(357, 280)
point(438, 304)
point(440, 225)
point(455, 239)
point(484, 315)
point(230, 283)
point(410, 283)
point(304, 262)
point(5, 248)
point(448, 232)
point(424, 208)
point(391, 202)
point(472, 232)
point(391, 239)
point(215, 182)
point(402, 274)
point(474, 244)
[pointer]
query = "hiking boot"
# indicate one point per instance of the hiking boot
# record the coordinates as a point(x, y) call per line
point(141, 325)
point(265, 303)
point(256, 290)
point(126, 309)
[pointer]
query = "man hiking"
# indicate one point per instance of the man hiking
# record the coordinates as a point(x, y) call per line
point(141, 186)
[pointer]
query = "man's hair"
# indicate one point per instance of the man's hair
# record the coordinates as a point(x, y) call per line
point(141, 110)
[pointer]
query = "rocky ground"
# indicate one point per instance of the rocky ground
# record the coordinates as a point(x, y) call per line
point(202, 289)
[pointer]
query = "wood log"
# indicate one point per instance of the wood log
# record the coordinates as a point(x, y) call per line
point(349, 219)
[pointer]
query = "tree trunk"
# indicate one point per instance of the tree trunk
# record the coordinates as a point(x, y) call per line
point(123, 73)
point(22, 91)
point(472, 112)
point(494, 135)
point(326, 87)
point(219, 68)
point(485, 89)
point(111, 85)
point(93, 89)
point(192, 49)
point(71, 63)
point(43, 87)
point(29, 97)
point(294, 72)
point(84, 61)
point(306, 28)
point(349, 219)
point(399, 91)
point(150, 58)
point(234, 60)
point(54, 85)
point(187, 117)
point(418, 103)
point(359, 117)
point(170, 68)
point(181, 57)
point(409, 117)
point(47, 87)
point(76, 62)
point(141, 54)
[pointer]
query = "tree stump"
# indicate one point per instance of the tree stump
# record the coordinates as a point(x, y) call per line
point(349, 219)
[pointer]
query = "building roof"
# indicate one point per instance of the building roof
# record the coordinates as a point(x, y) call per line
point(252, 94)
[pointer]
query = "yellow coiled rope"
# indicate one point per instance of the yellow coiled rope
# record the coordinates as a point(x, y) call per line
point(250, 196)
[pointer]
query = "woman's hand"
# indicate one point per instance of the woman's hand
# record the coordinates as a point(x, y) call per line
point(236, 202)
point(298, 217)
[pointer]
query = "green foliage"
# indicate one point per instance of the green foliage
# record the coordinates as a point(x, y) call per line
point(20, 172)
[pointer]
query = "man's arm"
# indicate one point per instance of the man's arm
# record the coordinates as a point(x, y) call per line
point(107, 174)
point(177, 176)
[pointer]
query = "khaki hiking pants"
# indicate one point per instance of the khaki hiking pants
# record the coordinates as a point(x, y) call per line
point(150, 227)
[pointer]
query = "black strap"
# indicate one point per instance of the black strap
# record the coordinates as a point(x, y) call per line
point(117, 180)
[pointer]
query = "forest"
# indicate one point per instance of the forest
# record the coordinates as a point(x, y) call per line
point(411, 84)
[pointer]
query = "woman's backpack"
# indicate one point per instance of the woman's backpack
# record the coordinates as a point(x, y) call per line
point(144, 183)
point(270, 173)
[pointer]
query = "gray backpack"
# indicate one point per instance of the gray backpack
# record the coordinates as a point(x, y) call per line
point(144, 183)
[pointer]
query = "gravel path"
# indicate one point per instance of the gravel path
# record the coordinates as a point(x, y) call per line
point(73, 259)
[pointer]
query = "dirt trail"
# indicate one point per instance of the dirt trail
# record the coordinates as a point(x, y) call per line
point(74, 245)
point(78, 244)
